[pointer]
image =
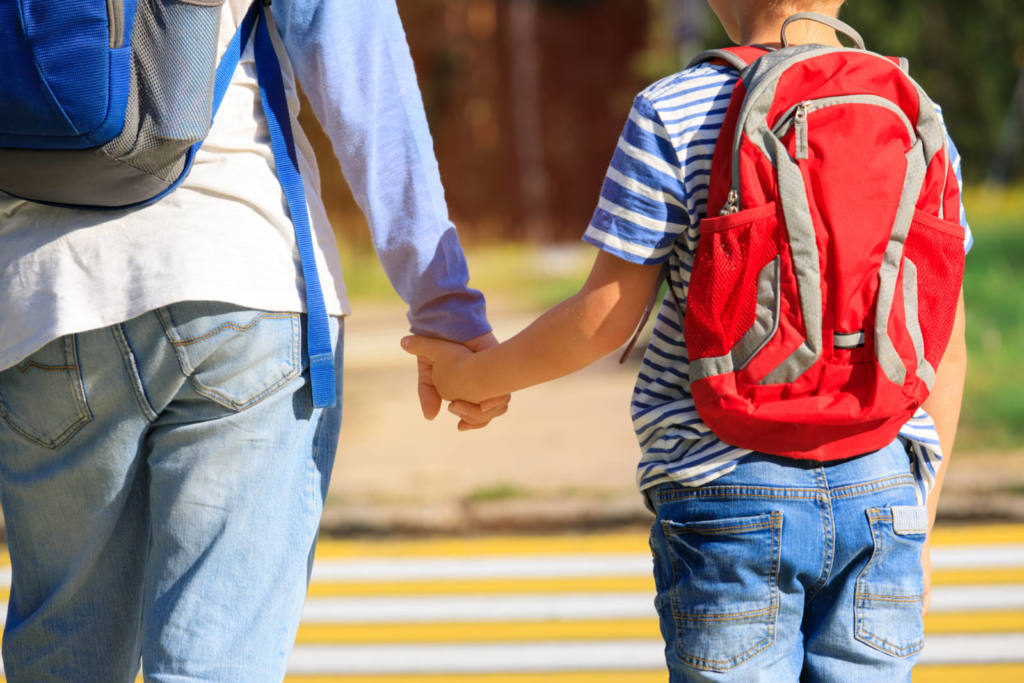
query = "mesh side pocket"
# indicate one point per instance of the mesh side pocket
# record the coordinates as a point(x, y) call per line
point(722, 301)
point(174, 53)
point(936, 247)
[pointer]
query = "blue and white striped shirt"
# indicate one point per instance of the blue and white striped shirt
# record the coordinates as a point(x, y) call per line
point(653, 198)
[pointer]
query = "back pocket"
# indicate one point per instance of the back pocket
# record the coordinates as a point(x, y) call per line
point(42, 398)
point(889, 591)
point(234, 356)
point(725, 588)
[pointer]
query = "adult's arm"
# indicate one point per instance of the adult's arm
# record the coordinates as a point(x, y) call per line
point(353, 62)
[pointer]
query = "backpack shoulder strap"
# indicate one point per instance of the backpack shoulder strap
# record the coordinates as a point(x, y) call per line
point(736, 57)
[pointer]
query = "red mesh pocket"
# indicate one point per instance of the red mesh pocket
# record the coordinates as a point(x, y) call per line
point(722, 300)
point(936, 247)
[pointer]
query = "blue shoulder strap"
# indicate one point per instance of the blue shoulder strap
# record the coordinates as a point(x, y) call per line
point(275, 109)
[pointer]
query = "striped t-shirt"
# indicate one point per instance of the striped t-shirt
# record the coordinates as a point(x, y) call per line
point(653, 198)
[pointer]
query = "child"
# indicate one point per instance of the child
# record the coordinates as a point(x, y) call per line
point(767, 568)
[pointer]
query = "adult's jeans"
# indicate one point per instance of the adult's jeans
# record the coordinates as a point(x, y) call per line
point(781, 571)
point(162, 482)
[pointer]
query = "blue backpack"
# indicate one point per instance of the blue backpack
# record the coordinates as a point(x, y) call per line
point(104, 103)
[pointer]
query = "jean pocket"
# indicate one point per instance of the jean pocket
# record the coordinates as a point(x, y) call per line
point(42, 398)
point(233, 356)
point(890, 588)
point(724, 592)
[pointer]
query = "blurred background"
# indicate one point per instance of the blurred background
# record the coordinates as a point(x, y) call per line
point(526, 100)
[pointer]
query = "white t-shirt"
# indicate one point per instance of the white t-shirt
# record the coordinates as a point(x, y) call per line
point(224, 235)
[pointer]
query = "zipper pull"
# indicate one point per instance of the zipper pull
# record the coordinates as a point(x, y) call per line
point(800, 130)
point(732, 203)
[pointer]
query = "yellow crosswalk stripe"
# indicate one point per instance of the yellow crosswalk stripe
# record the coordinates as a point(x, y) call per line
point(469, 546)
point(1010, 621)
point(957, 673)
point(478, 632)
point(985, 534)
point(963, 577)
point(585, 584)
point(625, 542)
point(596, 629)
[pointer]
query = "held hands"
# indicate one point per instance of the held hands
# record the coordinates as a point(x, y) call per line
point(439, 364)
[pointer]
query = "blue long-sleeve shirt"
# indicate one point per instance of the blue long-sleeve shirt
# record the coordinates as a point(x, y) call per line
point(353, 62)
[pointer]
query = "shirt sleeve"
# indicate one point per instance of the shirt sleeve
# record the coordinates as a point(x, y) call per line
point(642, 207)
point(353, 62)
point(954, 158)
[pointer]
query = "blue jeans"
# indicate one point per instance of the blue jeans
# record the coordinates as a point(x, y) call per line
point(781, 571)
point(162, 482)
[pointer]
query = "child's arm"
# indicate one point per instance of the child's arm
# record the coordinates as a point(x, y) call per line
point(943, 404)
point(571, 335)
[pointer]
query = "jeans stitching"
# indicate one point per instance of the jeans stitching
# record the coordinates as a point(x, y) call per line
point(180, 352)
point(774, 525)
point(181, 345)
point(874, 486)
point(231, 326)
point(828, 528)
point(76, 387)
point(227, 402)
point(875, 517)
point(132, 369)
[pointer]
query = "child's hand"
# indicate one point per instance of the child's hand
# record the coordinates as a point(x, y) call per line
point(445, 362)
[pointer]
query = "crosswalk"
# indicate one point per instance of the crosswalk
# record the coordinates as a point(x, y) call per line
point(568, 609)
point(578, 608)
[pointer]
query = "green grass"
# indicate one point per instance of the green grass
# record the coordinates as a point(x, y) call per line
point(497, 492)
point(993, 411)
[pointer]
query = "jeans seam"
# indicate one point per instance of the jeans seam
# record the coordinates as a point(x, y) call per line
point(828, 560)
point(230, 326)
point(163, 314)
point(131, 367)
point(869, 487)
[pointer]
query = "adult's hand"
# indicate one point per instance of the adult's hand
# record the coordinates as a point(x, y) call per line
point(471, 415)
point(479, 415)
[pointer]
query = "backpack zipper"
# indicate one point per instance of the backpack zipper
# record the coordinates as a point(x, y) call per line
point(115, 17)
point(800, 124)
point(767, 83)
point(797, 114)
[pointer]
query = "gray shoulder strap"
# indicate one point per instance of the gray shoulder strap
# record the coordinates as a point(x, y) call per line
point(904, 65)
point(829, 21)
point(729, 58)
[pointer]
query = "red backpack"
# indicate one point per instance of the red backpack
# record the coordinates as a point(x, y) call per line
point(827, 274)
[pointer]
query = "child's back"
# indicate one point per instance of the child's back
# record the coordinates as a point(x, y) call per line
point(768, 568)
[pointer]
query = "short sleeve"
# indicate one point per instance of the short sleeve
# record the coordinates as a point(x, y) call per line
point(642, 207)
point(954, 158)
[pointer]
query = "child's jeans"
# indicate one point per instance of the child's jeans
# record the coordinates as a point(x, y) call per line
point(162, 481)
point(785, 571)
